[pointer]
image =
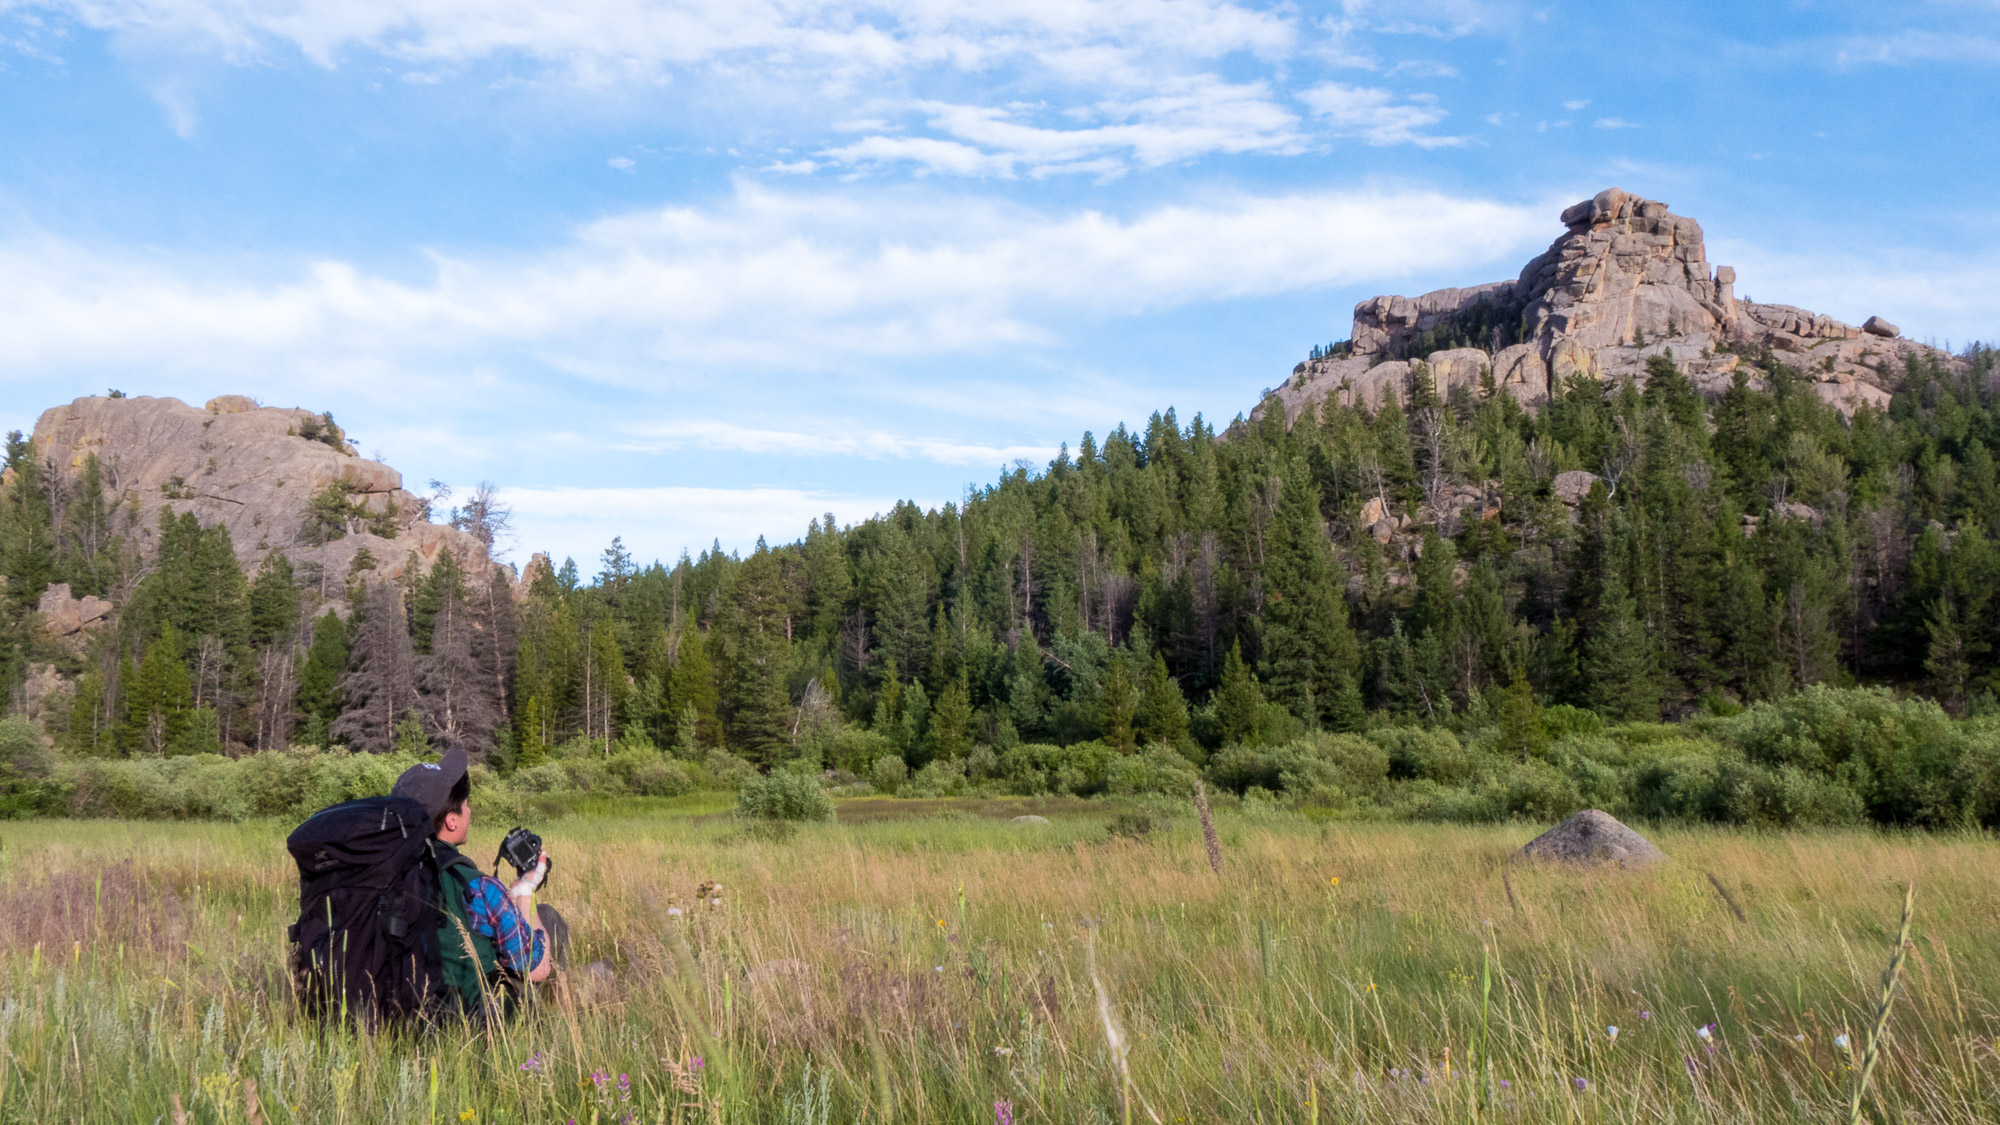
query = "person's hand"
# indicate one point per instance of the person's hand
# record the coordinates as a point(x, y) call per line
point(531, 879)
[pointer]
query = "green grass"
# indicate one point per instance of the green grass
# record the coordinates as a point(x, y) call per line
point(919, 969)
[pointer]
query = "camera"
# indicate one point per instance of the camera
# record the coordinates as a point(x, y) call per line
point(522, 849)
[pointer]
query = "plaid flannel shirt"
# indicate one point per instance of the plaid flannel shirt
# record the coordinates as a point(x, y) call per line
point(491, 915)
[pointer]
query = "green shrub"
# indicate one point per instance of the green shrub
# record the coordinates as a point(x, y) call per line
point(942, 777)
point(1538, 791)
point(851, 748)
point(29, 771)
point(1035, 768)
point(887, 773)
point(1130, 826)
point(663, 778)
point(1901, 756)
point(783, 796)
point(1416, 753)
point(1564, 721)
point(1157, 769)
point(1427, 800)
point(723, 770)
point(549, 777)
point(1324, 768)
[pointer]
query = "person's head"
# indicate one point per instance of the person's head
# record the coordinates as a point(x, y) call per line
point(453, 823)
point(444, 789)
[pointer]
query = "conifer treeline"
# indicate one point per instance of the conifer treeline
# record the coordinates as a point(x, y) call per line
point(1164, 586)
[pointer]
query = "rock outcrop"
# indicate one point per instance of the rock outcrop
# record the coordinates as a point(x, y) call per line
point(251, 469)
point(1628, 280)
point(66, 617)
point(1590, 838)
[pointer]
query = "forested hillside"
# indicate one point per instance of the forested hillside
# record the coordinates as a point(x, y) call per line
point(1428, 563)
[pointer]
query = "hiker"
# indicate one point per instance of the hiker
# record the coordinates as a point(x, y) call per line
point(509, 937)
point(395, 925)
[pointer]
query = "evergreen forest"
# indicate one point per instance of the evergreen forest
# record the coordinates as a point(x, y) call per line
point(1751, 608)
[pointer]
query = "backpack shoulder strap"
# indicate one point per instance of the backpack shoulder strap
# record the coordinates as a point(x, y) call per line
point(471, 963)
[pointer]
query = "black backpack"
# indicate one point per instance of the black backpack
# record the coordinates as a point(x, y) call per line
point(365, 946)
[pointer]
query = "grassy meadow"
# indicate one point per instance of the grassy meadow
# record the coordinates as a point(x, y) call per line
point(921, 961)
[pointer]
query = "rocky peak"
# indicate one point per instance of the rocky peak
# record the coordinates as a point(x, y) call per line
point(1627, 280)
point(255, 470)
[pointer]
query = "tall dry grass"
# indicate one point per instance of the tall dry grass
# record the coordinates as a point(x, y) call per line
point(923, 970)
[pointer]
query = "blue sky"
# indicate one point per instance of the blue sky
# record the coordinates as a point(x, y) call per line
point(684, 270)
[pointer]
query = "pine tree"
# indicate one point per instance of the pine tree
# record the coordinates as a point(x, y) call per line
point(1946, 662)
point(1239, 702)
point(1308, 644)
point(1519, 720)
point(27, 532)
point(377, 688)
point(1620, 662)
point(1117, 707)
point(457, 695)
point(318, 699)
point(691, 693)
point(605, 682)
point(1163, 714)
point(274, 601)
point(158, 699)
point(951, 721)
point(1347, 714)
point(532, 737)
point(898, 597)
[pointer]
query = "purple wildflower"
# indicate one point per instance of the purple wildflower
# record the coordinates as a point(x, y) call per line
point(1506, 1085)
point(1646, 1015)
point(1581, 1083)
point(599, 1077)
point(624, 1087)
point(1693, 1068)
point(534, 1063)
point(1003, 1112)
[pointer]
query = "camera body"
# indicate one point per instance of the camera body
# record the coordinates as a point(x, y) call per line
point(522, 849)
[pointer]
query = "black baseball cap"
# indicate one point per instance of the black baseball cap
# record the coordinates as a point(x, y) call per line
point(430, 783)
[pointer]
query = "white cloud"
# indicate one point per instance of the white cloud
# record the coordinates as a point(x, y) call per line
point(764, 279)
point(1906, 47)
point(621, 163)
point(656, 523)
point(1933, 297)
point(928, 153)
point(1184, 118)
point(1376, 116)
point(869, 444)
point(1576, 104)
point(612, 40)
point(1613, 123)
point(1423, 68)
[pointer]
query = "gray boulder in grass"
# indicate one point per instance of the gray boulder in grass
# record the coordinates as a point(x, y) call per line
point(1593, 837)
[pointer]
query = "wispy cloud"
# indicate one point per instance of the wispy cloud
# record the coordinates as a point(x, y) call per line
point(600, 41)
point(656, 523)
point(799, 280)
point(1182, 119)
point(1613, 123)
point(1903, 48)
point(1378, 116)
point(870, 444)
point(1929, 295)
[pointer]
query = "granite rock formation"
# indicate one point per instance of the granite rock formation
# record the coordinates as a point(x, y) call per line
point(1626, 281)
point(251, 469)
point(1593, 837)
